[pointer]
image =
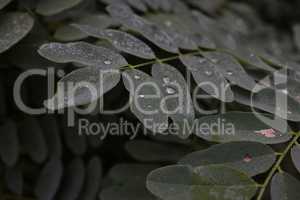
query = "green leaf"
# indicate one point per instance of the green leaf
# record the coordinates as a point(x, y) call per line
point(180, 182)
point(231, 69)
point(120, 40)
point(71, 33)
point(137, 4)
point(146, 99)
point(147, 151)
point(295, 153)
point(92, 180)
point(242, 126)
point(285, 186)
point(270, 100)
point(126, 17)
point(248, 157)
point(32, 140)
point(83, 86)
point(13, 28)
point(210, 6)
point(177, 93)
point(82, 53)
point(14, 180)
point(75, 142)
point(3, 3)
point(53, 7)
point(48, 181)
point(9, 143)
point(52, 135)
point(296, 30)
point(73, 180)
point(208, 77)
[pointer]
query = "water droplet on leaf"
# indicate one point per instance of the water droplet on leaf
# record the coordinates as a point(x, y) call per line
point(170, 90)
point(107, 62)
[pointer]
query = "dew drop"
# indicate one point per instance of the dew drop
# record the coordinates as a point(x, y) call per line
point(107, 62)
point(170, 90)
point(137, 77)
point(229, 73)
point(166, 79)
point(208, 73)
point(284, 91)
point(214, 60)
point(247, 158)
point(168, 23)
point(202, 60)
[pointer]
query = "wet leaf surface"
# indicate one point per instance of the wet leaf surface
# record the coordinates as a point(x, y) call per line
point(249, 157)
point(83, 53)
point(13, 28)
point(211, 182)
point(120, 40)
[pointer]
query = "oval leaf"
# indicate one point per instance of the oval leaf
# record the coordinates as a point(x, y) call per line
point(14, 180)
point(126, 17)
point(231, 69)
point(13, 28)
point(242, 126)
point(92, 180)
point(9, 143)
point(49, 180)
point(180, 182)
point(32, 140)
point(52, 135)
point(3, 3)
point(248, 157)
point(270, 100)
point(83, 86)
point(82, 53)
point(146, 96)
point(120, 40)
point(52, 7)
point(285, 186)
point(73, 180)
point(295, 153)
point(177, 96)
point(208, 77)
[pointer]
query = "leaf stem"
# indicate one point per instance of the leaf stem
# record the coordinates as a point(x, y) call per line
point(162, 60)
point(277, 165)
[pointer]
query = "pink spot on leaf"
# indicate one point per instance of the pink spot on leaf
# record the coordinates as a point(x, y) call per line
point(269, 133)
point(247, 158)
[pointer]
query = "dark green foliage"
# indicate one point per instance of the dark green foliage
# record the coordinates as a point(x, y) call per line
point(240, 141)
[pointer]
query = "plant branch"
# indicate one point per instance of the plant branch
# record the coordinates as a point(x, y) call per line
point(277, 165)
